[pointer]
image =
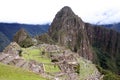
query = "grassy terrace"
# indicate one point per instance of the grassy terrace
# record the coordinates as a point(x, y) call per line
point(36, 54)
point(12, 73)
point(86, 68)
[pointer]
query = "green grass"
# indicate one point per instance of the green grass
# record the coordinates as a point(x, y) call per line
point(108, 75)
point(36, 54)
point(52, 68)
point(86, 68)
point(12, 73)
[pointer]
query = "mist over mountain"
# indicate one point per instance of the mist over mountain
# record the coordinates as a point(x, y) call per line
point(114, 26)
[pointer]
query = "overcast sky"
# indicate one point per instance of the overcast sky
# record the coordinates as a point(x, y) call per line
point(43, 11)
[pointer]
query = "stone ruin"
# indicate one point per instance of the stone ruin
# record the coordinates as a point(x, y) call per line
point(11, 56)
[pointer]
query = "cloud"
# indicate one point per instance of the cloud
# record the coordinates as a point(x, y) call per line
point(43, 11)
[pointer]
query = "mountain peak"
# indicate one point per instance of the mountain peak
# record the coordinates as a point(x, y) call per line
point(64, 12)
point(66, 9)
point(69, 30)
point(20, 35)
point(23, 38)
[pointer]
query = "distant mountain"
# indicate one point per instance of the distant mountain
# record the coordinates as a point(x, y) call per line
point(4, 41)
point(9, 29)
point(113, 26)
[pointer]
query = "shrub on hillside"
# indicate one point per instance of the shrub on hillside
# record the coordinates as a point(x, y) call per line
point(108, 75)
point(26, 43)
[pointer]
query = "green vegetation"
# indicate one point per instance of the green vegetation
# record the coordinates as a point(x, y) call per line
point(77, 68)
point(37, 55)
point(44, 38)
point(111, 76)
point(108, 75)
point(26, 43)
point(106, 65)
point(12, 73)
point(52, 68)
point(86, 68)
point(104, 60)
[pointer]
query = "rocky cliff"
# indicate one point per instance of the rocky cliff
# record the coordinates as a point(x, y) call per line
point(91, 42)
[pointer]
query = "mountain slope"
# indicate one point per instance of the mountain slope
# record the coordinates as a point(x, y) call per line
point(9, 29)
point(106, 44)
point(95, 43)
point(4, 41)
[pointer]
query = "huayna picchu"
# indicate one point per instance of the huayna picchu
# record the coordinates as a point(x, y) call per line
point(94, 43)
point(70, 50)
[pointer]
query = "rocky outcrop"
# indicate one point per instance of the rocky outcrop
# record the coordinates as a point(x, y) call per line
point(23, 39)
point(68, 29)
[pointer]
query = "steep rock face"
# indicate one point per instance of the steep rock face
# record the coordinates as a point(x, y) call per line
point(107, 39)
point(69, 30)
point(22, 38)
point(4, 41)
point(107, 42)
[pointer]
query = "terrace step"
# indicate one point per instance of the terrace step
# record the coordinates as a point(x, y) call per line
point(2, 56)
point(8, 59)
point(25, 65)
point(20, 63)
